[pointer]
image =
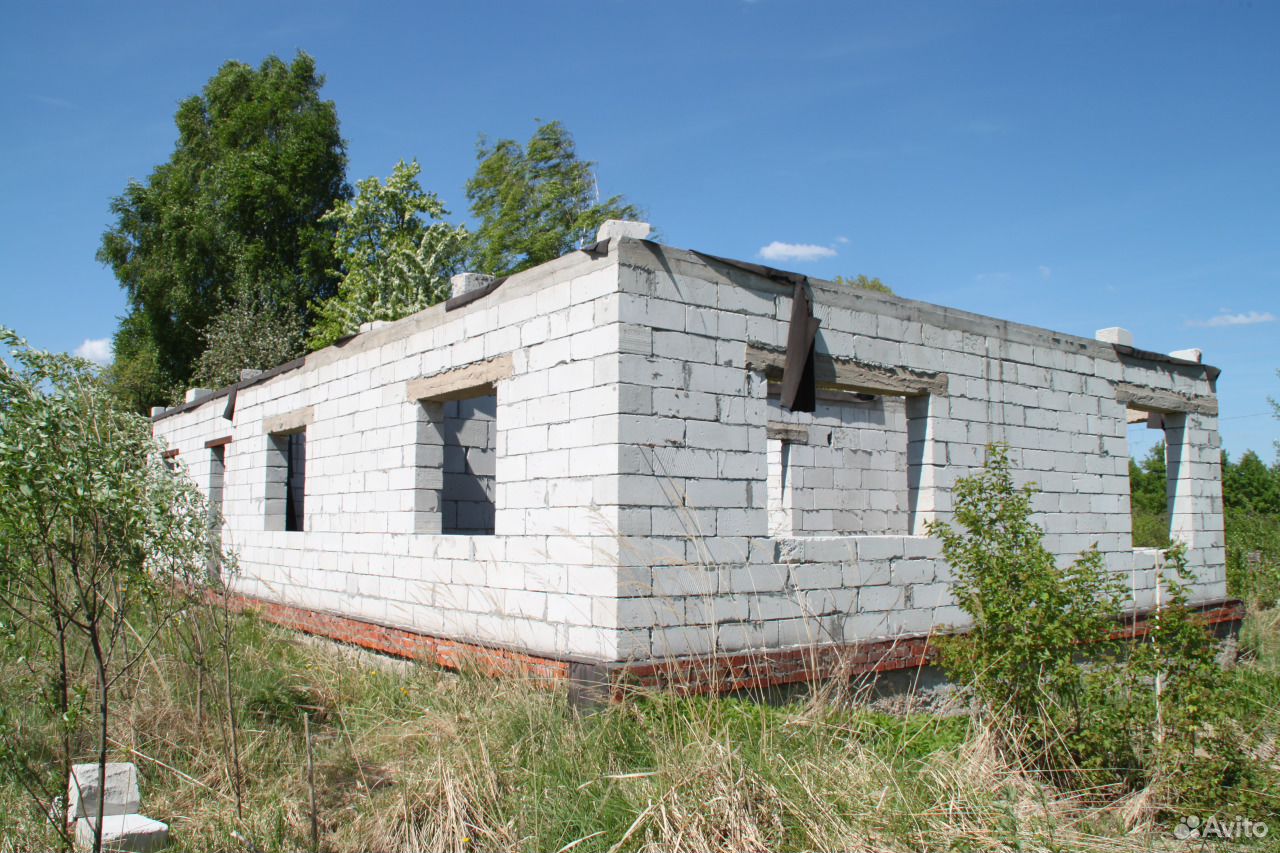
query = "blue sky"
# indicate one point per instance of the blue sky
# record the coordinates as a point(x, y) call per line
point(1069, 165)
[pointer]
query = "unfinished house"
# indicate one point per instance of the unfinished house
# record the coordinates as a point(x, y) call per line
point(645, 459)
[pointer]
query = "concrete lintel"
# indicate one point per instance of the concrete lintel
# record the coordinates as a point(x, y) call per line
point(1153, 400)
point(294, 421)
point(793, 433)
point(850, 375)
point(460, 383)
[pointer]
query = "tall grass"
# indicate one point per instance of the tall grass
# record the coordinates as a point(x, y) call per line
point(410, 758)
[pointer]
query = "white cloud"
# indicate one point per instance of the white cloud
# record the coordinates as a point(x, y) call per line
point(1045, 272)
point(778, 251)
point(96, 350)
point(1251, 318)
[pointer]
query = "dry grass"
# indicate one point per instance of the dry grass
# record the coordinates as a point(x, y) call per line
point(410, 759)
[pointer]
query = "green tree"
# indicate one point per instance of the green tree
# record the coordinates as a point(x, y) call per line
point(95, 533)
point(234, 215)
point(1148, 482)
point(536, 202)
point(865, 283)
point(1249, 485)
point(396, 251)
point(247, 336)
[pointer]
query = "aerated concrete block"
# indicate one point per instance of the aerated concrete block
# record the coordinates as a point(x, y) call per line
point(122, 796)
point(621, 228)
point(1115, 335)
point(126, 832)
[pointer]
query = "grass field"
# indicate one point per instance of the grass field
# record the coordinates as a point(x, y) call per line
point(408, 758)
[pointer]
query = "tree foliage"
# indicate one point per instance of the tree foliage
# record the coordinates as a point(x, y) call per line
point(1249, 485)
point(235, 214)
point(535, 202)
point(865, 283)
point(94, 531)
point(248, 336)
point(1148, 482)
point(396, 251)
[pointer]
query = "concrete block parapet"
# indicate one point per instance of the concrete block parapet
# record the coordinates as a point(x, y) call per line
point(1115, 335)
point(613, 228)
point(465, 282)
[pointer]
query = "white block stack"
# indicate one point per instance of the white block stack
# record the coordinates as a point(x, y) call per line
point(123, 829)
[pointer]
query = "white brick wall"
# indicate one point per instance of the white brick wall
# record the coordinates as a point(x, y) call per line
point(368, 491)
point(1051, 397)
point(639, 506)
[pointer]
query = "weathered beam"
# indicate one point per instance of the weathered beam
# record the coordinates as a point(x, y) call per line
point(459, 383)
point(217, 442)
point(848, 374)
point(1156, 400)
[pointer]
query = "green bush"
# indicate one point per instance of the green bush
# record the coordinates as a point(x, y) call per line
point(1067, 698)
point(1030, 616)
point(1253, 557)
point(1150, 529)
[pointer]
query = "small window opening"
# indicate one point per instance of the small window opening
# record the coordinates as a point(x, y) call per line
point(295, 481)
point(470, 466)
point(457, 466)
point(777, 451)
point(841, 470)
point(287, 481)
point(217, 473)
point(1151, 479)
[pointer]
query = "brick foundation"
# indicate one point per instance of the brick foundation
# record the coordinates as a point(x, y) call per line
point(723, 673)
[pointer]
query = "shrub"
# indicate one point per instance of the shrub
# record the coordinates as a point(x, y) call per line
point(1030, 616)
point(1253, 557)
point(1043, 665)
point(94, 532)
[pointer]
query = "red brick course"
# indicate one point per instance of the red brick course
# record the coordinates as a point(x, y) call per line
point(720, 673)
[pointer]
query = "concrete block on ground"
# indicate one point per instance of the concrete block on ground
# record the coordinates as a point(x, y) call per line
point(126, 832)
point(122, 796)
